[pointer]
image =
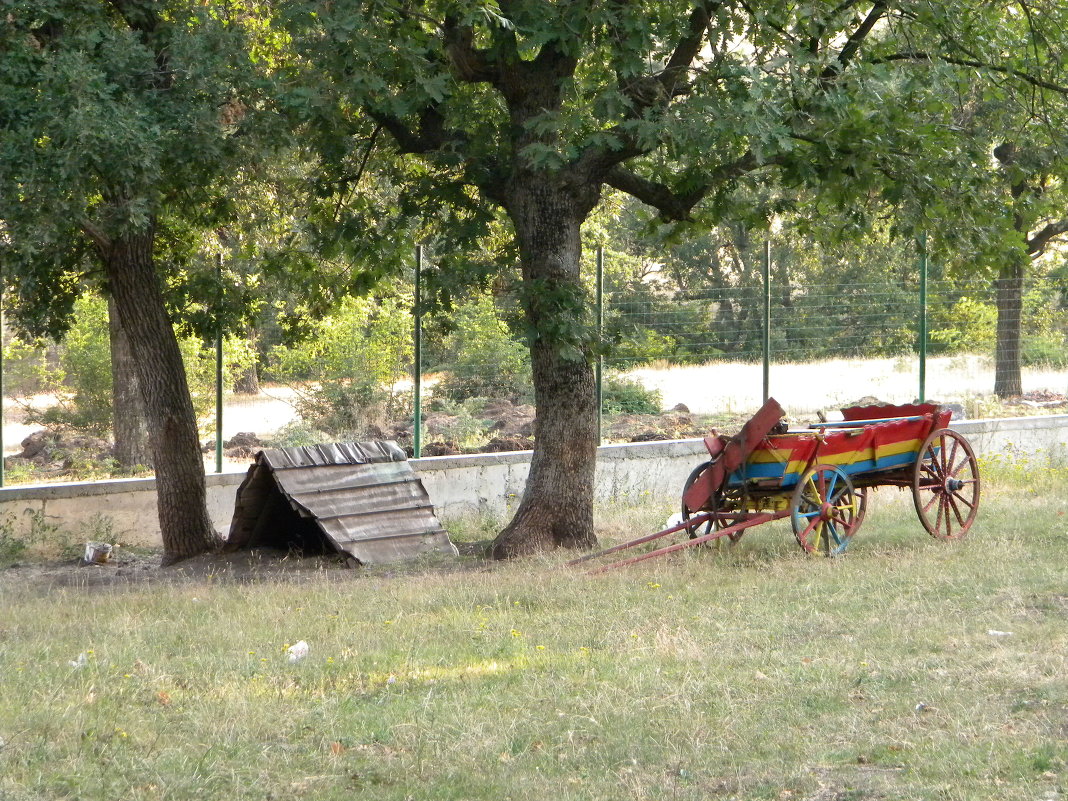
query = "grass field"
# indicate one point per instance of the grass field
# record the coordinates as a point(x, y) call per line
point(909, 669)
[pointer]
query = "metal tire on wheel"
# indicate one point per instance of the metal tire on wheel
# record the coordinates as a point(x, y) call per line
point(945, 485)
point(825, 511)
point(716, 504)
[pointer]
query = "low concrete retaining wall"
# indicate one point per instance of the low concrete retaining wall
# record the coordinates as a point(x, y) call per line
point(460, 485)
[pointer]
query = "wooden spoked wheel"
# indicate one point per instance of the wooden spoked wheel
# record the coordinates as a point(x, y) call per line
point(945, 485)
point(721, 500)
point(825, 511)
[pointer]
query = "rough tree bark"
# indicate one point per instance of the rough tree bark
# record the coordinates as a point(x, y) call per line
point(1008, 380)
point(556, 509)
point(129, 421)
point(180, 486)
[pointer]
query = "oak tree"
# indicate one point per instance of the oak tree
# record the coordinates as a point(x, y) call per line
point(120, 123)
point(533, 108)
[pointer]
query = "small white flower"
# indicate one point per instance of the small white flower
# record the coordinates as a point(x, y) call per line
point(297, 651)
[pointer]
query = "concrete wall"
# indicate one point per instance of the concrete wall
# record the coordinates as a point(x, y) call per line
point(461, 485)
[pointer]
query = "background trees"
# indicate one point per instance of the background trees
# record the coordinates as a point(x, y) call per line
point(837, 119)
point(534, 109)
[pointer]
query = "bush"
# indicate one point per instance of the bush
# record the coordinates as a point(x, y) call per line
point(626, 396)
point(81, 378)
point(346, 372)
point(485, 360)
point(968, 326)
point(1045, 351)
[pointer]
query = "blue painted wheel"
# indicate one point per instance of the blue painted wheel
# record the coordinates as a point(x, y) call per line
point(825, 511)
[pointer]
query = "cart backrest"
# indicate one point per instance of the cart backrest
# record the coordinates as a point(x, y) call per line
point(886, 411)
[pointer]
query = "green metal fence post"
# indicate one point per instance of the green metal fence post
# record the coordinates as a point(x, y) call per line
point(766, 345)
point(923, 317)
point(417, 368)
point(219, 368)
point(599, 365)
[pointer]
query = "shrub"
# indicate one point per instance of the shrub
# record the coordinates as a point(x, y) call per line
point(968, 326)
point(1045, 351)
point(485, 359)
point(626, 396)
point(80, 377)
point(346, 372)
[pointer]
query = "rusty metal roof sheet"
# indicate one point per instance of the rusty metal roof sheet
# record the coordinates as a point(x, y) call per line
point(362, 498)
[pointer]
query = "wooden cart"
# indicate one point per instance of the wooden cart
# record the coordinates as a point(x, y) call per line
point(819, 477)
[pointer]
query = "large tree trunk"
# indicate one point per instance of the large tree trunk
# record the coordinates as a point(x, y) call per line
point(557, 505)
point(1008, 380)
point(180, 486)
point(129, 422)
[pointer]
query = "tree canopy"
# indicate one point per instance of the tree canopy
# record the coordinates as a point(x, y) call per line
point(535, 108)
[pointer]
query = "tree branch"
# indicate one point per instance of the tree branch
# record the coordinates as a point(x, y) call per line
point(430, 135)
point(674, 205)
point(1037, 244)
point(660, 88)
point(100, 239)
point(920, 55)
point(469, 64)
point(853, 43)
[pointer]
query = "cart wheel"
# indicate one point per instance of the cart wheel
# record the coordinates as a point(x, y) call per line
point(721, 499)
point(825, 511)
point(945, 485)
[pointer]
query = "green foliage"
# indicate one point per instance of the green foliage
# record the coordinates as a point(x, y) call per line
point(347, 371)
point(968, 326)
point(482, 358)
point(297, 434)
point(80, 378)
point(626, 396)
point(458, 421)
point(1045, 351)
point(12, 545)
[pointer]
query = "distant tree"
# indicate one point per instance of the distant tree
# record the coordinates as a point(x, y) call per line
point(535, 108)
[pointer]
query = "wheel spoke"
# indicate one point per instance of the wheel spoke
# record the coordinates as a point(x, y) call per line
point(834, 532)
point(952, 456)
point(927, 506)
point(952, 503)
point(963, 500)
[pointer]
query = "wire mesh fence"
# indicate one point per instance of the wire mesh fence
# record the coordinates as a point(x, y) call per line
point(715, 350)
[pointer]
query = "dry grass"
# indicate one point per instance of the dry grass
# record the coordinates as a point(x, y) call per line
point(757, 674)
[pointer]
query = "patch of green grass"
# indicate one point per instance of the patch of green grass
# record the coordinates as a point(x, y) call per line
point(753, 673)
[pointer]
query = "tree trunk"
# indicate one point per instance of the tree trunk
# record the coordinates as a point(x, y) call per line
point(1008, 381)
point(557, 505)
point(248, 382)
point(129, 422)
point(180, 486)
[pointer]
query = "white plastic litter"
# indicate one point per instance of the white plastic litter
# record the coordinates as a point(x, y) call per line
point(80, 662)
point(97, 553)
point(297, 651)
point(996, 633)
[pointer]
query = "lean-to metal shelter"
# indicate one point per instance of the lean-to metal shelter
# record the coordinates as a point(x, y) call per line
point(358, 498)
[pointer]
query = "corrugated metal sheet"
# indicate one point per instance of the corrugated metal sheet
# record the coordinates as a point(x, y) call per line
point(361, 498)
